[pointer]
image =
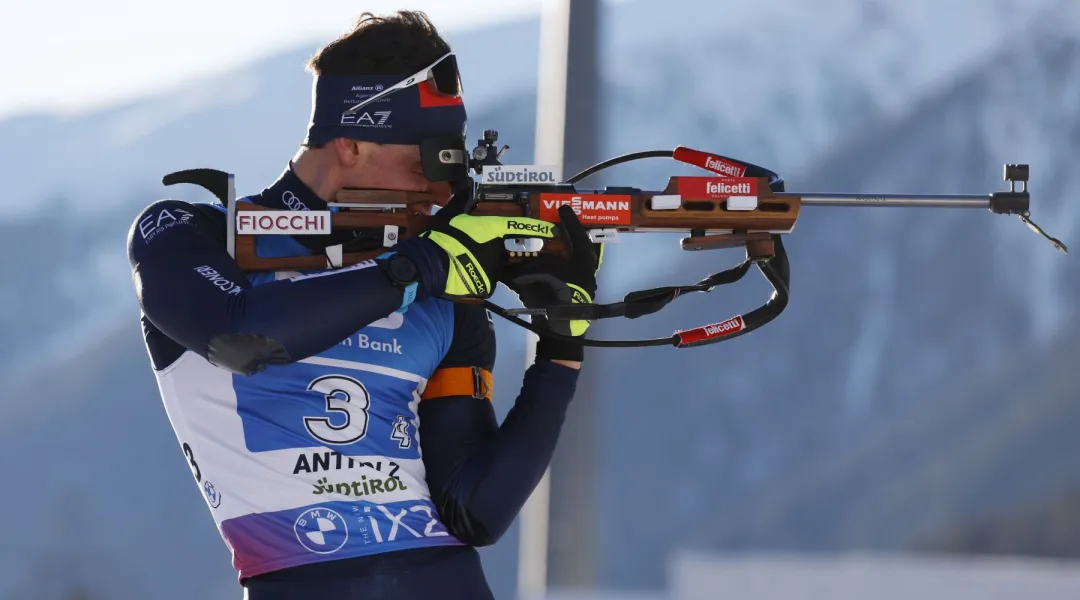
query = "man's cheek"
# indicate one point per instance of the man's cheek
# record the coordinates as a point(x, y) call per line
point(441, 192)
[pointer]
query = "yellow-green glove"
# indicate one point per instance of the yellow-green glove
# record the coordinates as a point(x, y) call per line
point(549, 279)
point(475, 246)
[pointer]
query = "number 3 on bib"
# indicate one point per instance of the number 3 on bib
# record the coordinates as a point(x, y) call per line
point(345, 397)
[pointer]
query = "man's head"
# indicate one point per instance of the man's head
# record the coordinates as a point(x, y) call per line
point(377, 146)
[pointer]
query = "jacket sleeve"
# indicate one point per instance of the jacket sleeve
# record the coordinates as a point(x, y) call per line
point(190, 288)
point(480, 473)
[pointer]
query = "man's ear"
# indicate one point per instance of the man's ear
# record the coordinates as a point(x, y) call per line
point(349, 153)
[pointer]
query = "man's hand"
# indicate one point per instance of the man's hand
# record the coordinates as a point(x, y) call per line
point(549, 279)
point(474, 246)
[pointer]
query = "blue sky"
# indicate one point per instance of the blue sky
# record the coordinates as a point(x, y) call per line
point(71, 56)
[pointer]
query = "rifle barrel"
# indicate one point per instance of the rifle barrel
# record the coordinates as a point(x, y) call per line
point(932, 200)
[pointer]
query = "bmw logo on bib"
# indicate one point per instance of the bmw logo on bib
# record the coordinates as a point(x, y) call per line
point(321, 530)
point(212, 494)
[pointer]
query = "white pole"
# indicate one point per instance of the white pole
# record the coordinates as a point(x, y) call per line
point(550, 126)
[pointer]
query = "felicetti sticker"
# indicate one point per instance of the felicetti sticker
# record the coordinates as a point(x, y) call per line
point(708, 161)
point(708, 332)
point(716, 188)
point(595, 209)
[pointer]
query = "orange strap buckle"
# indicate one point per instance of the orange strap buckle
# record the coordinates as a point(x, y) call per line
point(460, 381)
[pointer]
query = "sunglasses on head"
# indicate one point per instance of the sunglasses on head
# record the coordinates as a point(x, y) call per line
point(442, 77)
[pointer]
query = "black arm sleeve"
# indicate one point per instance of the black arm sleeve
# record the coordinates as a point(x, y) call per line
point(194, 292)
point(481, 474)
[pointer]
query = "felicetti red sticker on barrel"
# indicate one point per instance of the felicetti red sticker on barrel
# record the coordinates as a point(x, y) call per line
point(591, 209)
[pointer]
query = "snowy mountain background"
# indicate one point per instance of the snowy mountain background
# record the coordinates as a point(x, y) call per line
point(921, 368)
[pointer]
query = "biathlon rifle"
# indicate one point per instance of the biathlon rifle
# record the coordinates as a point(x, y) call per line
point(737, 204)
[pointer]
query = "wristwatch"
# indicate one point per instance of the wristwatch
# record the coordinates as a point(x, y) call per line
point(403, 272)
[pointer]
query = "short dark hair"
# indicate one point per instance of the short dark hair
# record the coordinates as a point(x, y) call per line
point(398, 44)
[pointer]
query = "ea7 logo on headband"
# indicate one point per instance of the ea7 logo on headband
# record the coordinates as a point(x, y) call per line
point(376, 118)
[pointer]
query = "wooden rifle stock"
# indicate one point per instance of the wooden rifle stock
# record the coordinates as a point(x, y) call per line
point(709, 220)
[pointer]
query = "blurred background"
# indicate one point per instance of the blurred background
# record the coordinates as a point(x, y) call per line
point(907, 428)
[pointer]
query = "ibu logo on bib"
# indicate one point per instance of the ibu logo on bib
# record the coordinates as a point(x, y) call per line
point(321, 530)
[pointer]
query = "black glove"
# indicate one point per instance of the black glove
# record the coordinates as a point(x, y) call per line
point(549, 279)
